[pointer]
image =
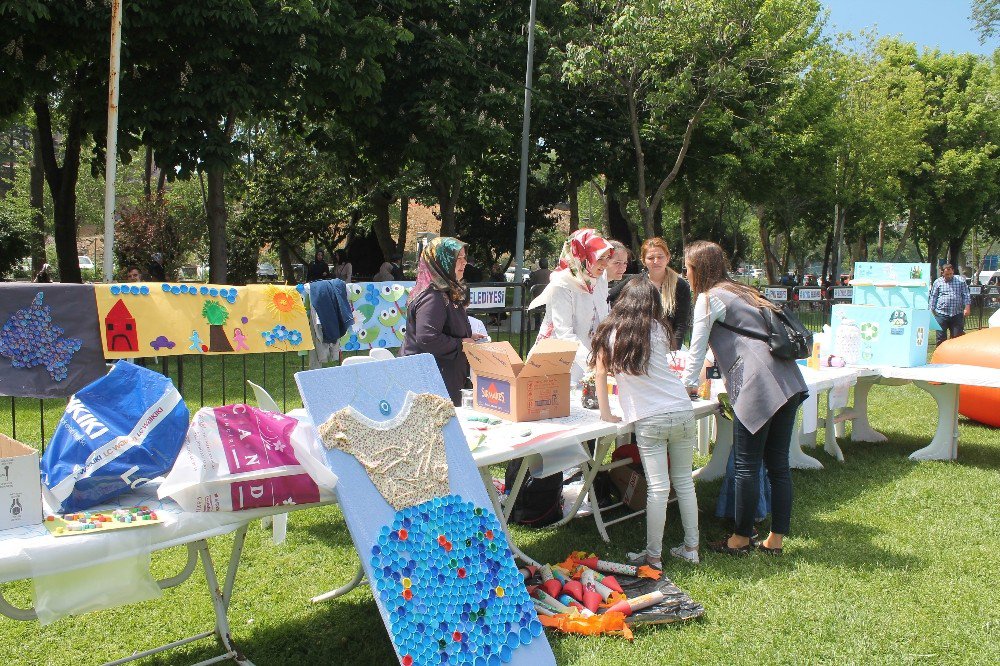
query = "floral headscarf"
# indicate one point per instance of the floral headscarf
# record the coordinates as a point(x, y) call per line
point(583, 248)
point(436, 270)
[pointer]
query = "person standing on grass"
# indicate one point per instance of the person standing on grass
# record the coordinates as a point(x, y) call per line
point(318, 269)
point(576, 300)
point(632, 343)
point(675, 292)
point(950, 303)
point(436, 322)
point(765, 392)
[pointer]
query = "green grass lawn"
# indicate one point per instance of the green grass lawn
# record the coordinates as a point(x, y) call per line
point(890, 562)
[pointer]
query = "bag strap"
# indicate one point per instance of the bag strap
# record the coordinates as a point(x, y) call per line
point(743, 331)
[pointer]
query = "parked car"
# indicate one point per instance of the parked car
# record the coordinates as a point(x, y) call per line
point(85, 263)
point(757, 273)
point(509, 274)
point(810, 280)
point(266, 271)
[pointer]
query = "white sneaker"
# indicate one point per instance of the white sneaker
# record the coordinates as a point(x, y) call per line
point(681, 552)
point(642, 559)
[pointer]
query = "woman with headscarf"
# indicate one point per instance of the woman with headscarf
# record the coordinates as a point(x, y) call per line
point(436, 322)
point(576, 300)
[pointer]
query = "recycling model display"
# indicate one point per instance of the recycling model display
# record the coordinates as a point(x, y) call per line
point(888, 321)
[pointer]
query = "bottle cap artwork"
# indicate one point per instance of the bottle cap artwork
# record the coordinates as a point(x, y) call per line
point(90, 522)
point(452, 591)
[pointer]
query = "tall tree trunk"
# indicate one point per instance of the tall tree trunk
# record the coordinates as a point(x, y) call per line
point(62, 184)
point(447, 195)
point(601, 194)
point(285, 259)
point(911, 223)
point(881, 240)
point(36, 199)
point(147, 181)
point(658, 221)
point(404, 215)
point(933, 249)
point(770, 259)
point(618, 224)
point(574, 206)
point(826, 258)
point(955, 250)
point(685, 220)
point(381, 200)
point(218, 259)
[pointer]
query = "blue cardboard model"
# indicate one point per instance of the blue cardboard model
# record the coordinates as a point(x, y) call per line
point(442, 575)
point(888, 315)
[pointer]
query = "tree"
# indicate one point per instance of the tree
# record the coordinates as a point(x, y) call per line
point(15, 232)
point(191, 74)
point(985, 18)
point(666, 63)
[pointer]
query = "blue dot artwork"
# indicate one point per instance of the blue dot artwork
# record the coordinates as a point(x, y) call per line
point(115, 289)
point(144, 290)
point(204, 291)
point(29, 338)
point(449, 586)
point(165, 287)
point(175, 289)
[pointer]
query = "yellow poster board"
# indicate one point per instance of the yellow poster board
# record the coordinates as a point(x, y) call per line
point(167, 319)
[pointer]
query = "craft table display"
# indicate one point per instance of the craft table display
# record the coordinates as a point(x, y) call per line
point(32, 553)
point(49, 339)
point(442, 574)
point(165, 319)
point(553, 445)
point(379, 311)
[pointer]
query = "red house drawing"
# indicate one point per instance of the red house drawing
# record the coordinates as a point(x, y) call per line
point(119, 329)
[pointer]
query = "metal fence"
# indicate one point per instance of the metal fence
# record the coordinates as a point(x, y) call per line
point(222, 379)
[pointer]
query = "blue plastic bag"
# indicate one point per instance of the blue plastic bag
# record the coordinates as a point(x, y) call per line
point(116, 435)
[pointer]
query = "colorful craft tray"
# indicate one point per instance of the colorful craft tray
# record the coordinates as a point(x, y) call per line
point(61, 526)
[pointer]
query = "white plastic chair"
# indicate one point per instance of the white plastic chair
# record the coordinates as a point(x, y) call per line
point(376, 354)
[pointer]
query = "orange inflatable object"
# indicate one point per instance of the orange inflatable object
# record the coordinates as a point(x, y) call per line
point(982, 348)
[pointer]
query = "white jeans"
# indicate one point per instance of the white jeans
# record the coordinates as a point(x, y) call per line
point(661, 438)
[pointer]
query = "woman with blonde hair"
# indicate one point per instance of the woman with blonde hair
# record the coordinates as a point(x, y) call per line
point(675, 293)
point(765, 391)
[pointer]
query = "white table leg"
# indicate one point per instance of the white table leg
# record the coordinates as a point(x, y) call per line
point(491, 490)
point(831, 446)
point(358, 579)
point(704, 434)
point(944, 446)
point(716, 467)
point(796, 457)
point(222, 595)
point(861, 429)
point(590, 470)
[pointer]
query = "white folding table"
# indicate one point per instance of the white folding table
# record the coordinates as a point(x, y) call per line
point(30, 552)
point(554, 445)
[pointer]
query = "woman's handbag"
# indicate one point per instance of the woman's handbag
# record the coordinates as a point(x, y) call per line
point(786, 337)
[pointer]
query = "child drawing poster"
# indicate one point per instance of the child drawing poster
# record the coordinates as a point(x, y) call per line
point(166, 319)
point(379, 310)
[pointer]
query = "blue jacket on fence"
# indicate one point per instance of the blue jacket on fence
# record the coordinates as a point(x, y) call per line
point(329, 300)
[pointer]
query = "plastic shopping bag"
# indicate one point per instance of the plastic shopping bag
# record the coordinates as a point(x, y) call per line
point(117, 434)
point(239, 457)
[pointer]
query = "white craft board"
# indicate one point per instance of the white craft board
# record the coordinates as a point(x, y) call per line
point(364, 386)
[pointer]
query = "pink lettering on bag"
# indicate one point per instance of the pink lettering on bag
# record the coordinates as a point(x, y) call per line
point(265, 493)
point(254, 439)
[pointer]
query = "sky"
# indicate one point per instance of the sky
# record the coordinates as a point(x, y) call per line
point(942, 24)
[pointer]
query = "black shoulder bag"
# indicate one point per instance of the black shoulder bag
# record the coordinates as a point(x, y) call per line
point(786, 337)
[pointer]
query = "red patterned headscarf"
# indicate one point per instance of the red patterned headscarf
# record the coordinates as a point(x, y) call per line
point(583, 248)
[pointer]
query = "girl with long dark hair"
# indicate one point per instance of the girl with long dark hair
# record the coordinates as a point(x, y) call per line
point(632, 344)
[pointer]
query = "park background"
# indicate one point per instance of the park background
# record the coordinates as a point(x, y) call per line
point(254, 131)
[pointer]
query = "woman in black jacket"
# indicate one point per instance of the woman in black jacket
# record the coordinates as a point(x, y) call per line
point(436, 322)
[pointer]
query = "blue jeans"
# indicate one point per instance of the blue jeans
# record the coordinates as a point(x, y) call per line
point(769, 446)
point(951, 326)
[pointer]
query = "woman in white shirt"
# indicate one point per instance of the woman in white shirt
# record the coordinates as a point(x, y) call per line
point(576, 299)
point(633, 344)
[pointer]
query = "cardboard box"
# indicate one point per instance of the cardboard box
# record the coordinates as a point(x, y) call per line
point(631, 483)
point(889, 335)
point(20, 485)
point(515, 390)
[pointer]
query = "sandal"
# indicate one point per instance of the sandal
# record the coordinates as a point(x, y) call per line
point(773, 552)
point(723, 547)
